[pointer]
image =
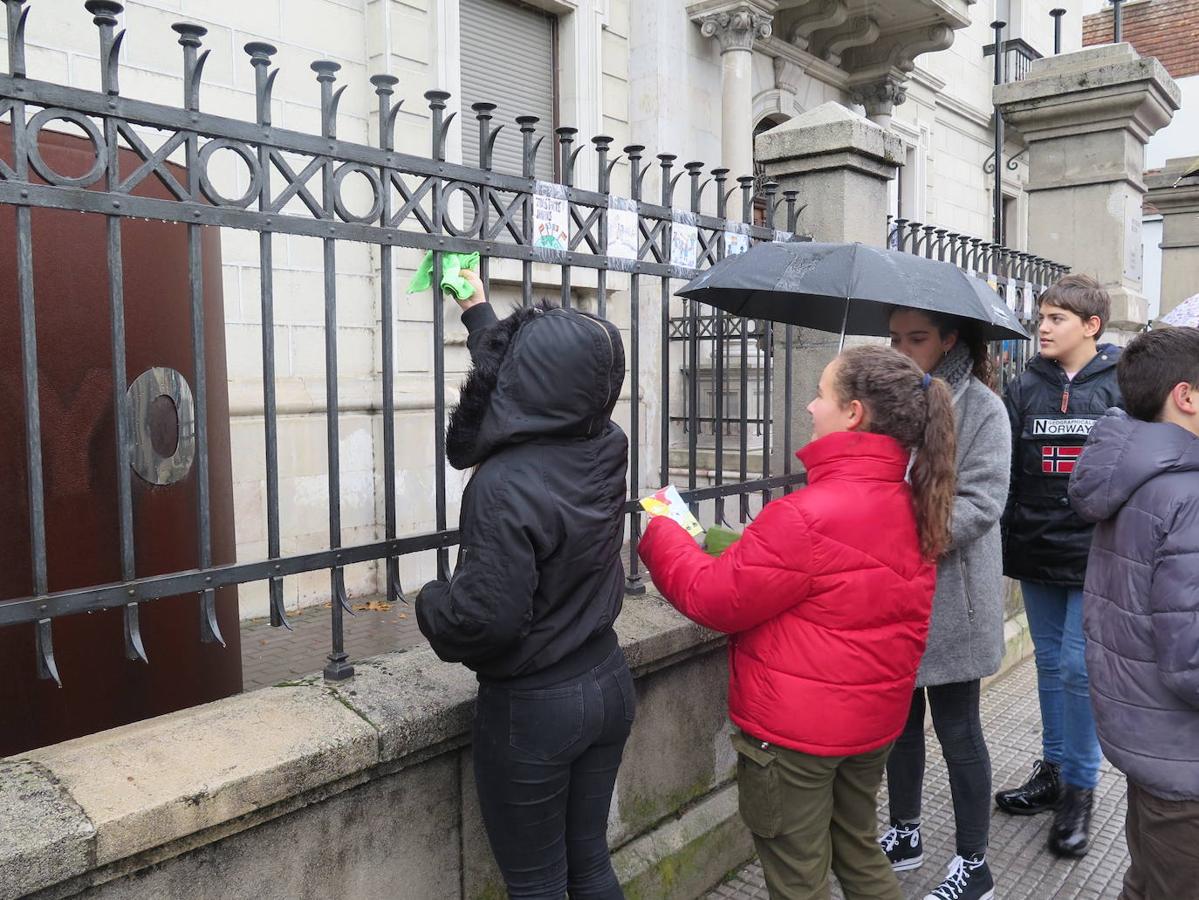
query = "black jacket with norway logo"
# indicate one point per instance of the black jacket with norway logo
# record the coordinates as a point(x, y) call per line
point(1044, 539)
point(539, 580)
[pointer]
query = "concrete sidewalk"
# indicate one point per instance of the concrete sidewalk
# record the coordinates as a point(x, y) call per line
point(1023, 868)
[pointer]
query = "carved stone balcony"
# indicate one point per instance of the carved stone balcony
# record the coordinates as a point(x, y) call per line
point(874, 44)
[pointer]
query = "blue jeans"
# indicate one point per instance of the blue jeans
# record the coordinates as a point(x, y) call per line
point(545, 769)
point(1067, 723)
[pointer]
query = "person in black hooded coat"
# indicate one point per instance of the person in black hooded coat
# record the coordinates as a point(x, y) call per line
point(537, 587)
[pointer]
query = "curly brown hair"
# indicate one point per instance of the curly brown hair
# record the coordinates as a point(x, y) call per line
point(918, 413)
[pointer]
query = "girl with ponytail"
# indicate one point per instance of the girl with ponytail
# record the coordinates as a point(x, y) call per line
point(965, 638)
point(826, 598)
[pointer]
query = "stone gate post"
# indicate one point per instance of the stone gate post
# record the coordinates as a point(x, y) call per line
point(1177, 199)
point(1087, 117)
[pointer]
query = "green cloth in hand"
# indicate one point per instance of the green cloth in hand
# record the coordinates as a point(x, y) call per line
point(718, 539)
point(452, 265)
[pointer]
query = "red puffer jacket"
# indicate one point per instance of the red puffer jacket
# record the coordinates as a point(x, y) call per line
point(826, 598)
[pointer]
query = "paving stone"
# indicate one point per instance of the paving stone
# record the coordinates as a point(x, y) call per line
point(1024, 869)
point(271, 655)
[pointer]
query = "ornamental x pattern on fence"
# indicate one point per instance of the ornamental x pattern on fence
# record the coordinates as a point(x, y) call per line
point(418, 202)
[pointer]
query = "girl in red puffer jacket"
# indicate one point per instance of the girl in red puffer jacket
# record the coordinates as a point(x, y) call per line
point(826, 599)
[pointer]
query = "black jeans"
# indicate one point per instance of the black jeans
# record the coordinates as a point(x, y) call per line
point(959, 729)
point(545, 769)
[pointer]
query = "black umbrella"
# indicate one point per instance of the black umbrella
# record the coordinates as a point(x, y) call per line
point(847, 288)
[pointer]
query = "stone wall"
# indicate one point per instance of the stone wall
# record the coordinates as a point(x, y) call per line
point(362, 789)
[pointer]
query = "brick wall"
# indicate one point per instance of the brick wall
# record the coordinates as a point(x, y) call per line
point(1166, 29)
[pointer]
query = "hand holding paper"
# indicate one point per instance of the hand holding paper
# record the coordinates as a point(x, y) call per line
point(667, 502)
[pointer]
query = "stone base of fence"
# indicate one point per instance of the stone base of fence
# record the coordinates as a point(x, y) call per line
point(364, 789)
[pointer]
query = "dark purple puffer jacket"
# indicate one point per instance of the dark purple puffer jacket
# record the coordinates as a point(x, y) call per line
point(1140, 482)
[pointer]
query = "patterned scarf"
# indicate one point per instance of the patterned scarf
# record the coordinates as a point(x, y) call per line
point(956, 367)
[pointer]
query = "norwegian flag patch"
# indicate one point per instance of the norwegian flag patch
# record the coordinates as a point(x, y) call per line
point(1059, 460)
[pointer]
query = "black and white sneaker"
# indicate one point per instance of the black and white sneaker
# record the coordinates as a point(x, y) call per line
point(902, 845)
point(968, 879)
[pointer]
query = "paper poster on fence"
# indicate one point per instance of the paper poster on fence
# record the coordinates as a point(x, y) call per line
point(684, 242)
point(1012, 298)
point(551, 216)
point(1028, 301)
point(783, 237)
point(736, 239)
point(622, 228)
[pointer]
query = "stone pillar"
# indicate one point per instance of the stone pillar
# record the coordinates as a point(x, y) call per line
point(840, 163)
point(880, 99)
point(1177, 199)
point(1087, 117)
point(735, 29)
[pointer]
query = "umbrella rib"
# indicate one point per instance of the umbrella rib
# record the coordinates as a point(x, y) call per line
point(853, 258)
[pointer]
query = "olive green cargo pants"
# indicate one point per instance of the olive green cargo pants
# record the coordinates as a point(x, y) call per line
point(809, 813)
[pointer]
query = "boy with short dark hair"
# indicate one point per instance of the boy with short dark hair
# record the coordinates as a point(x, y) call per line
point(1066, 388)
point(1139, 479)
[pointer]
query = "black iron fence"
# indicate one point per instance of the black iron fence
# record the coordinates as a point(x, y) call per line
point(294, 186)
point(1017, 276)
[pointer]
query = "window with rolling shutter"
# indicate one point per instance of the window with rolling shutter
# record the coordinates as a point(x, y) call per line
point(509, 58)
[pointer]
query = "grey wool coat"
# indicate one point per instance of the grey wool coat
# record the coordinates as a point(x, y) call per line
point(1140, 482)
point(965, 636)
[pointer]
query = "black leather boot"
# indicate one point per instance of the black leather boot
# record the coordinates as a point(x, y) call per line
point(1071, 832)
point(1039, 794)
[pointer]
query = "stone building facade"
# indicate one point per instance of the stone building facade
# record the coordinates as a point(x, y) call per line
point(696, 79)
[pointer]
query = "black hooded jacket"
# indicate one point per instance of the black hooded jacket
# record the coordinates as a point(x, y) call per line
point(539, 580)
point(1045, 540)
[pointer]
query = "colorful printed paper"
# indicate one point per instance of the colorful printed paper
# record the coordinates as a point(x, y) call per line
point(551, 216)
point(623, 237)
point(736, 242)
point(668, 502)
point(684, 242)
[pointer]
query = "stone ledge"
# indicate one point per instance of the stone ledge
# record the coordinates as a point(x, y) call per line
point(153, 782)
point(683, 858)
point(46, 836)
point(106, 801)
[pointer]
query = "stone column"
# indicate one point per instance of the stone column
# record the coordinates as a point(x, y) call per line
point(735, 29)
point(880, 99)
point(1177, 199)
point(840, 163)
point(1087, 117)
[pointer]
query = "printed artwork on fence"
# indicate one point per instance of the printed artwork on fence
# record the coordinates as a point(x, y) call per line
point(1028, 301)
point(684, 241)
point(736, 241)
point(623, 236)
point(1011, 297)
point(551, 216)
point(782, 237)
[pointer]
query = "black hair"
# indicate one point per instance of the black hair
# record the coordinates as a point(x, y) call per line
point(1153, 364)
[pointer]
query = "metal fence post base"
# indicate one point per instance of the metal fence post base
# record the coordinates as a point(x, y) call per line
point(634, 587)
point(338, 668)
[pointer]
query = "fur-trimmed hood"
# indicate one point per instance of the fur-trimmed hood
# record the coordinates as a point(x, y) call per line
point(540, 372)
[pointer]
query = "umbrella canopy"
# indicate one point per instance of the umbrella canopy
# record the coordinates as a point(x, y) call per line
point(1185, 314)
point(847, 288)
